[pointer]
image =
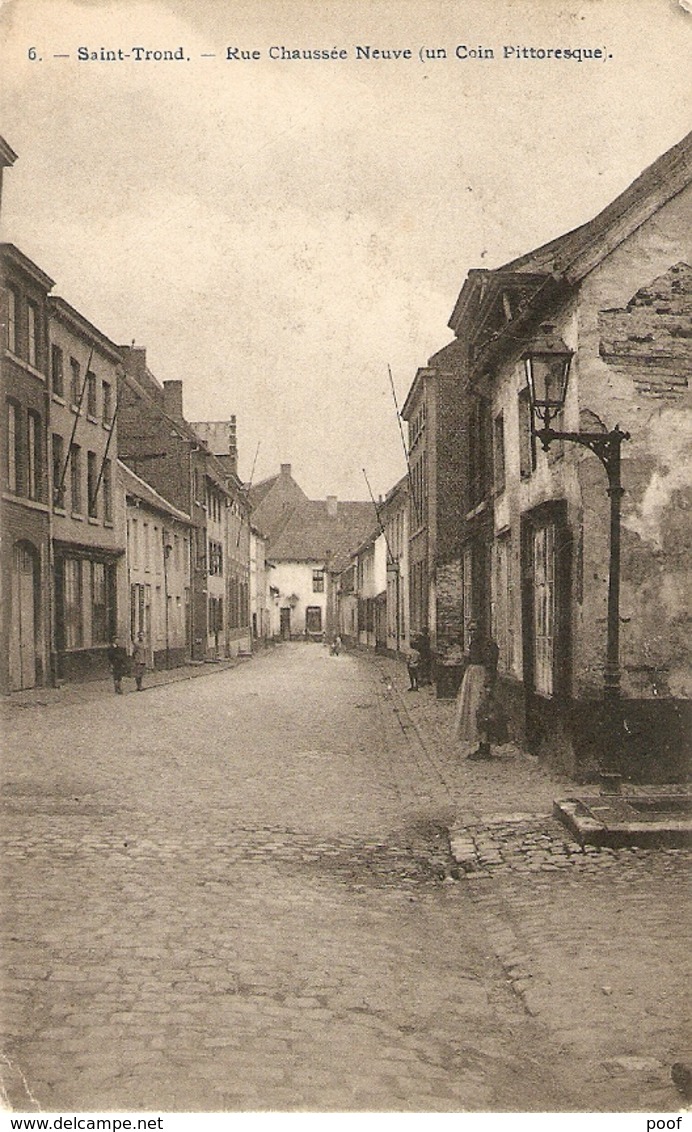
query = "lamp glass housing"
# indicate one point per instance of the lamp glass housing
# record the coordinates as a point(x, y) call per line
point(547, 365)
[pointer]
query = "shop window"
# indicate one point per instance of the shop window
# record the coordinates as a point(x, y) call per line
point(72, 603)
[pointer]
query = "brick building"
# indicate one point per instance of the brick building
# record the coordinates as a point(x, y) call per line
point(164, 449)
point(434, 412)
point(25, 551)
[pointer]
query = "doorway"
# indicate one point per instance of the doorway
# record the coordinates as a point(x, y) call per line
point(285, 623)
point(24, 616)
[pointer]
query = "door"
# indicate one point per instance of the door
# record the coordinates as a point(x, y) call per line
point(23, 617)
point(313, 620)
point(546, 623)
point(285, 623)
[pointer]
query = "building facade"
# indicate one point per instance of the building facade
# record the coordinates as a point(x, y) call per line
point(25, 549)
point(88, 532)
point(308, 544)
point(438, 433)
point(164, 449)
point(158, 572)
point(535, 537)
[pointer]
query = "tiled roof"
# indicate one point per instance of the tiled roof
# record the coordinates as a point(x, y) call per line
point(311, 534)
point(139, 489)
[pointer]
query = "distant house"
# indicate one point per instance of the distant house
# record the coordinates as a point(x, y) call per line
point(161, 447)
point(309, 542)
point(158, 567)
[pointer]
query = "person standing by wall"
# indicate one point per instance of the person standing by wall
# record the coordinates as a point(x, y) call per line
point(478, 717)
point(139, 661)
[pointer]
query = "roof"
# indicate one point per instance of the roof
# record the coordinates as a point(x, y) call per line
point(14, 256)
point(312, 534)
point(273, 502)
point(137, 488)
point(7, 154)
point(59, 308)
point(565, 261)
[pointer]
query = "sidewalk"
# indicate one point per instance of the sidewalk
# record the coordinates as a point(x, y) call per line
point(503, 808)
point(90, 690)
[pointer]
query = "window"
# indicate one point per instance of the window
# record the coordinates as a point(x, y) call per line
point(75, 381)
point(478, 423)
point(12, 320)
point(33, 449)
point(527, 439)
point(134, 543)
point(92, 480)
point(147, 547)
point(32, 334)
point(318, 581)
point(544, 607)
point(72, 603)
point(13, 451)
point(501, 610)
point(58, 455)
point(313, 619)
point(100, 611)
point(499, 453)
point(107, 391)
point(467, 589)
point(56, 369)
point(76, 478)
point(91, 394)
point(107, 491)
point(215, 558)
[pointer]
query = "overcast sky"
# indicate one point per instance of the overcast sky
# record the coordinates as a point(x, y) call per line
point(277, 233)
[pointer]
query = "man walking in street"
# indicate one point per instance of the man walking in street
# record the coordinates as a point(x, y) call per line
point(117, 659)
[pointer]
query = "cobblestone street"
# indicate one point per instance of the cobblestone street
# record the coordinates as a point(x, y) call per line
point(278, 887)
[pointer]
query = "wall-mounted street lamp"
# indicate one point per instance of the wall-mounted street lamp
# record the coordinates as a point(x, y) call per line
point(547, 363)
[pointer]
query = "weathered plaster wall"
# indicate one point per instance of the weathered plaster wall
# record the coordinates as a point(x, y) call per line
point(632, 369)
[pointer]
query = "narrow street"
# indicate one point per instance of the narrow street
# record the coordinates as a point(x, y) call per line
point(237, 893)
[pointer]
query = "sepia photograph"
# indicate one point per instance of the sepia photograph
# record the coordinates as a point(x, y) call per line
point(346, 475)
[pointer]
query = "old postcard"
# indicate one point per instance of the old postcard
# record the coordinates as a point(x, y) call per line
point(345, 472)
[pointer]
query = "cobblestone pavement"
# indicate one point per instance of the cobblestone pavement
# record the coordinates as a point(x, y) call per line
point(237, 893)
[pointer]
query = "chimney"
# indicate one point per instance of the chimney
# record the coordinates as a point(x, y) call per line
point(285, 469)
point(173, 399)
point(331, 506)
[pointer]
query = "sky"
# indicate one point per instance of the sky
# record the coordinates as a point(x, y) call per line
point(280, 233)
